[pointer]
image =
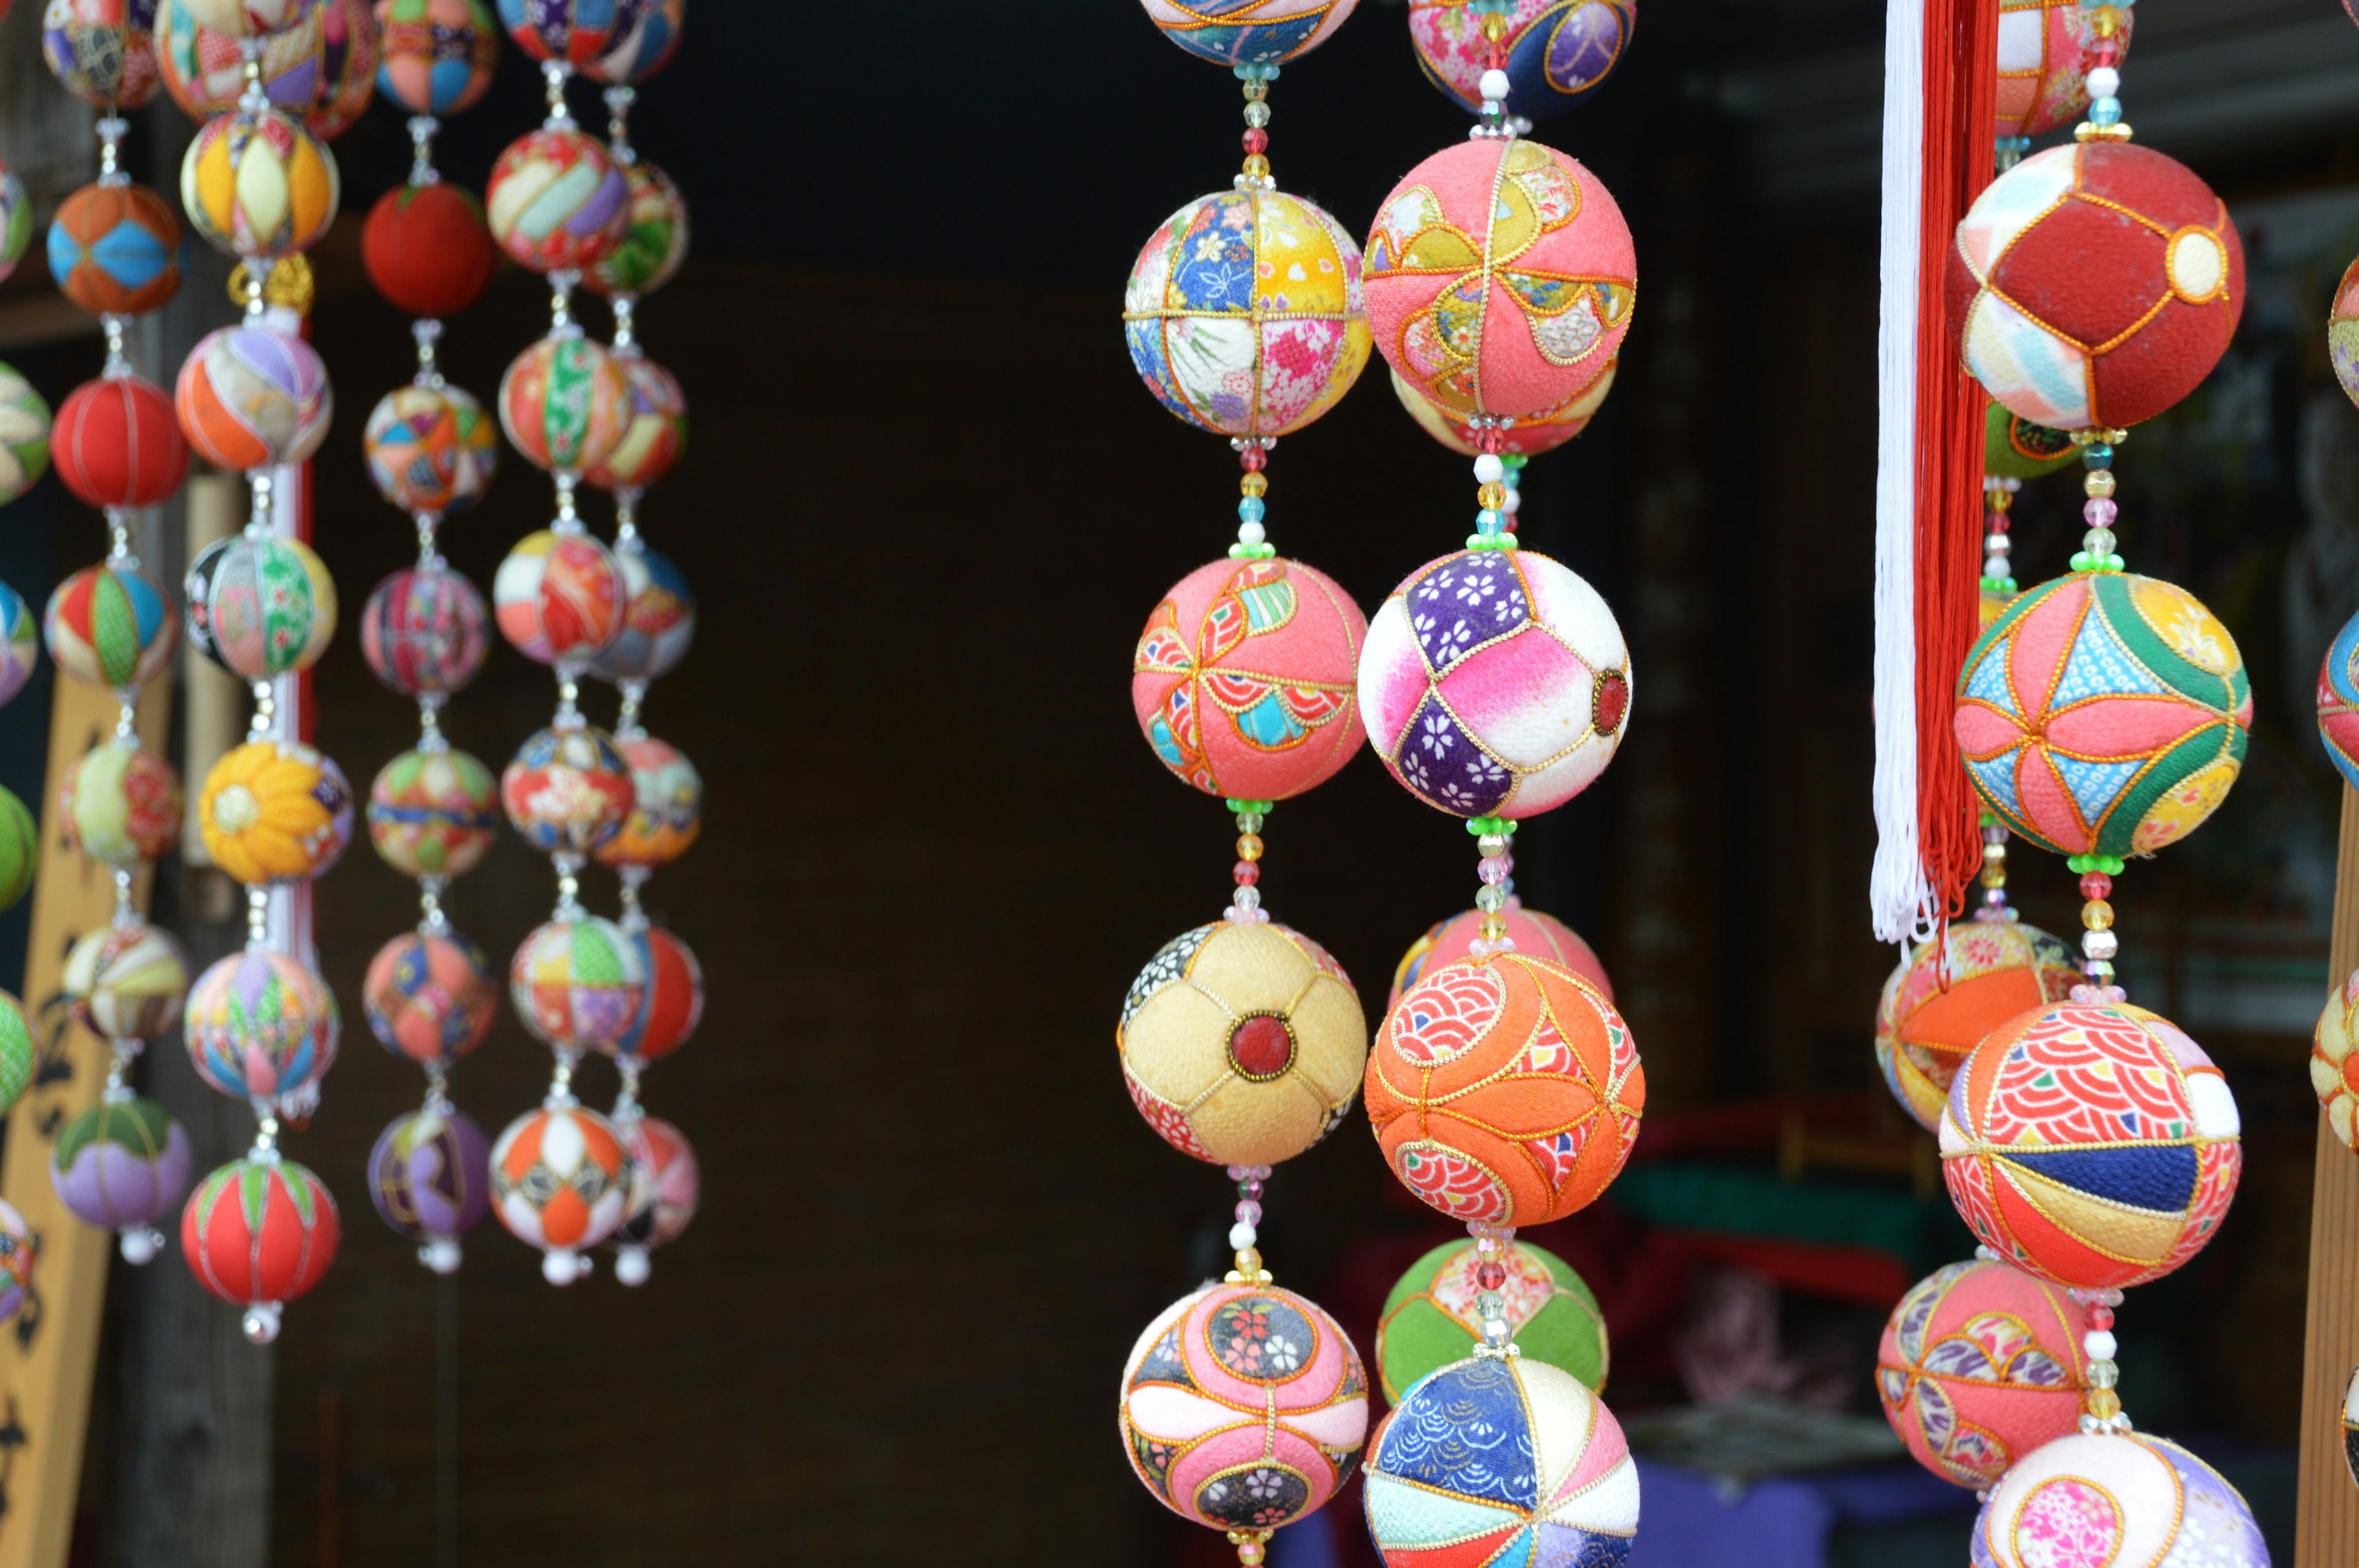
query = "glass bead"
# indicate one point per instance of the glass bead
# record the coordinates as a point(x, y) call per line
point(1994, 853)
point(1494, 873)
point(1254, 484)
point(2099, 541)
point(2102, 1403)
point(1246, 873)
point(1491, 899)
point(2104, 1375)
point(1494, 929)
point(1248, 898)
point(1248, 1212)
point(1995, 877)
point(1248, 845)
point(1252, 509)
point(1491, 844)
point(2105, 111)
point(2097, 455)
point(1999, 500)
point(1253, 456)
point(1257, 114)
point(2100, 944)
point(1998, 524)
point(2096, 885)
point(1492, 497)
point(1491, 1276)
point(2097, 914)
point(2100, 1316)
point(1257, 167)
point(1249, 1187)
point(1257, 140)
point(2098, 482)
point(2099, 510)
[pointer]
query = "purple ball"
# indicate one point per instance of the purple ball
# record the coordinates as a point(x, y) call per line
point(121, 1166)
point(430, 1175)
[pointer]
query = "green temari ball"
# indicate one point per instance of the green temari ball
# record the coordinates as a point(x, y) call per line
point(1430, 1319)
point(2014, 448)
point(20, 850)
point(18, 1055)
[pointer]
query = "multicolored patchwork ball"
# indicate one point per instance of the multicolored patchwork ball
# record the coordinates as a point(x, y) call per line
point(655, 436)
point(15, 220)
point(439, 55)
point(262, 1025)
point(433, 814)
point(430, 996)
point(323, 68)
point(274, 811)
point(568, 791)
point(560, 598)
point(2115, 1499)
point(1248, 32)
point(24, 434)
point(635, 53)
point(1528, 438)
point(254, 398)
point(1501, 280)
point(667, 806)
point(2342, 331)
point(558, 202)
point(2099, 282)
point(432, 448)
point(1981, 1364)
point(1947, 994)
point(1494, 683)
point(2045, 50)
point(1437, 1492)
point(1558, 50)
point(428, 248)
point(671, 1006)
point(2014, 448)
point(258, 1233)
point(2104, 714)
point(658, 619)
point(664, 1186)
point(1243, 313)
point(1242, 1045)
point(655, 239)
point(116, 249)
point(250, 18)
point(2338, 701)
point(20, 642)
point(120, 1165)
point(1244, 1407)
point(118, 442)
point(2093, 1145)
point(1506, 1090)
point(126, 981)
point(576, 32)
point(430, 1175)
point(425, 631)
point(103, 51)
point(2350, 1394)
point(561, 1178)
point(2333, 1066)
point(567, 404)
point(258, 183)
point(1430, 1319)
point(18, 1054)
point(17, 1255)
point(120, 804)
point(20, 850)
point(260, 606)
point(578, 984)
point(1242, 679)
point(110, 628)
point(1530, 931)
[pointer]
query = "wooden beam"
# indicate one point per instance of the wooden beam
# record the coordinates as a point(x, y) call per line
point(49, 1355)
point(2327, 1528)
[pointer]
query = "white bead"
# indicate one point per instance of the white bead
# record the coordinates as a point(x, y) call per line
point(1495, 86)
point(1515, 503)
point(140, 1244)
point(631, 1267)
point(2099, 1344)
point(1995, 566)
point(1241, 1235)
point(2105, 82)
point(441, 1255)
point(560, 1267)
point(1488, 469)
point(261, 1323)
point(2100, 944)
point(1251, 533)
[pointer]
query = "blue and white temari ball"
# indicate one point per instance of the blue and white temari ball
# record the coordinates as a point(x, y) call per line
point(1502, 1462)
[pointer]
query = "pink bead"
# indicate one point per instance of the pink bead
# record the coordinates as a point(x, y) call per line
point(1491, 1276)
point(1478, 948)
point(2095, 885)
point(1249, 1213)
point(1246, 873)
point(2100, 511)
point(2101, 1317)
point(1254, 458)
point(1996, 523)
point(1496, 872)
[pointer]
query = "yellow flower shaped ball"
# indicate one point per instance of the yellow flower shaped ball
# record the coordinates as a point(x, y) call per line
point(274, 811)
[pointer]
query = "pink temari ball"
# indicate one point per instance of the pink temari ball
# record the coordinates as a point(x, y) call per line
point(1534, 934)
point(1494, 683)
point(1980, 1364)
point(1242, 679)
point(1500, 279)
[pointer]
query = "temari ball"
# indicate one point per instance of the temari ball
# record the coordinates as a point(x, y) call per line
point(24, 434)
point(567, 404)
point(2014, 448)
point(120, 804)
point(1245, 32)
point(430, 996)
point(1533, 932)
point(428, 249)
point(654, 238)
point(125, 980)
point(1430, 1320)
point(425, 631)
point(667, 806)
point(433, 814)
point(17, 1253)
point(324, 67)
point(262, 1025)
point(1527, 437)
point(2342, 331)
point(557, 200)
point(578, 984)
point(2333, 1066)
point(577, 32)
point(15, 220)
point(257, 1232)
point(257, 182)
point(664, 1185)
point(1947, 994)
point(568, 791)
point(103, 51)
point(2351, 1426)
point(121, 1164)
point(1981, 1364)
point(559, 1177)
point(274, 811)
point(439, 55)
point(1558, 50)
point(250, 18)
point(18, 1054)
point(2045, 50)
point(254, 398)
point(115, 248)
point(560, 598)
point(260, 606)
point(655, 433)
point(118, 442)
point(429, 1174)
point(634, 53)
point(2338, 701)
point(432, 448)
point(20, 850)
point(2124, 1499)
point(658, 619)
point(110, 628)
point(672, 1004)
point(20, 643)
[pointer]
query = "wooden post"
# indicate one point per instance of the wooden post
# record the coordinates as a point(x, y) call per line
point(50, 1353)
point(2327, 1532)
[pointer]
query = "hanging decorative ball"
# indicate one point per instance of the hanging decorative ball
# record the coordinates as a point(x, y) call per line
point(1242, 680)
point(17, 1255)
point(1248, 32)
point(1528, 438)
point(126, 981)
point(1947, 995)
point(103, 51)
point(658, 619)
point(2095, 1145)
point(568, 791)
point(1506, 1091)
point(1242, 1045)
point(432, 448)
point(433, 814)
point(1558, 50)
point(439, 55)
point(2014, 448)
point(116, 442)
point(1495, 682)
point(2045, 50)
point(2351, 1404)
point(656, 434)
point(1243, 313)
point(2342, 331)
point(2099, 242)
point(120, 805)
point(20, 850)
point(425, 631)
point(654, 237)
point(18, 1054)
point(1501, 278)
point(664, 1187)
point(428, 248)
point(1529, 931)
point(110, 628)
point(258, 183)
point(558, 202)
point(560, 598)
point(667, 806)
point(116, 249)
point(250, 19)
point(567, 404)
point(15, 220)
point(1567, 1498)
point(2338, 701)
point(324, 67)
point(1430, 1320)
point(260, 606)
point(2118, 1498)
point(430, 996)
point(2333, 1066)
point(262, 1025)
point(254, 398)
point(672, 1005)
point(430, 1178)
point(1244, 1407)
point(20, 641)
point(259, 1233)
point(122, 1166)
point(578, 984)
point(635, 53)
point(2104, 714)
point(24, 434)
point(1980, 1364)
point(274, 811)
point(559, 1180)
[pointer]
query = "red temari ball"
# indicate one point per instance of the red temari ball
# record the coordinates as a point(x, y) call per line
point(2097, 284)
point(116, 442)
point(258, 1233)
point(428, 248)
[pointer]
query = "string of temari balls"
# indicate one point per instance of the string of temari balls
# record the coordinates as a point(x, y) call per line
point(430, 994)
point(1242, 1040)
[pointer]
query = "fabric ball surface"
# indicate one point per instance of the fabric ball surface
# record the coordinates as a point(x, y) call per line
point(2045, 50)
point(2120, 1499)
point(2333, 1066)
point(425, 632)
point(658, 619)
point(20, 642)
point(1242, 679)
point(2338, 701)
point(103, 51)
point(260, 606)
point(17, 1254)
point(430, 1174)
point(1528, 438)
point(262, 1026)
point(2104, 714)
point(559, 1178)
point(560, 598)
point(433, 814)
point(257, 1233)
point(672, 1005)
point(125, 980)
point(2351, 1409)
point(1430, 1320)
point(654, 236)
point(567, 404)
point(437, 55)
point(2342, 331)
point(632, 53)
point(1533, 932)
point(120, 805)
point(1980, 1364)
point(15, 220)
point(430, 996)
point(1506, 1091)
point(577, 32)
point(1246, 32)
point(18, 1054)
point(115, 248)
point(1242, 1045)
point(254, 398)
point(1558, 50)
point(116, 442)
point(323, 68)
point(20, 850)
point(2095, 1145)
point(568, 791)
point(274, 811)
point(578, 984)
point(24, 435)
point(110, 628)
point(432, 448)
point(1495, 682)
point(2014, 448)
point(121, 1164)
point(258, 183)
point(428, 249)
point(1244, 1407)
point(664, 1184)
point(667, 806)
point(252, 18)
point(1949, 993)
point(2098, 284)
point(558, 202)
point(655, 434)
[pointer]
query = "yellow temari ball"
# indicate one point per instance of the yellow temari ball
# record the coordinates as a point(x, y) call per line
point(1242, 1045)
point(2333, 1066)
